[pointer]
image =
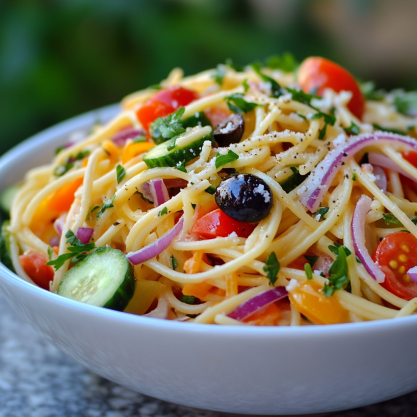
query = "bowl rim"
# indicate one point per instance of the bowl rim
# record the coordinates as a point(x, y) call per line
point(68, 126)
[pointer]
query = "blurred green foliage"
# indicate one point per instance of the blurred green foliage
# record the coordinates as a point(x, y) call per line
point(59, 58)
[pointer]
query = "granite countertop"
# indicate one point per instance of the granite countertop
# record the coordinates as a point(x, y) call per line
point(38, 380)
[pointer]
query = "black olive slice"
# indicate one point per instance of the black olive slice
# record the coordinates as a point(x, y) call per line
point(244, 197)
point(229, 130)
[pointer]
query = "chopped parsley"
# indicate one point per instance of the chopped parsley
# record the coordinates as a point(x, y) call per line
point(285, 62)
point(272, 267)
point(163, 211)
point(301, 96)
point(276, 89)
point(77, 250)
point(245, 85)
point(406, 103)
point(390, 130)
point(50, 253)
point(335, 249)
point(354, 176)
point(311, 259)
point(219, 74)
point(120, 173)
point(193, 206)
point(391, 220)
point(293, 181)
point(70, 162)
point(338, 273)
point(308, 271)
point(106, 205)
point(174, 262)
point(321, 211)
point(211, 189)
point(353, 129)
point(237, 104)
point(59, 149)
point(168, 127)
point(144, 198)
point(369, 91)
point(139, 139)
point(155, 87)
point(225, 159)
point(188, 299)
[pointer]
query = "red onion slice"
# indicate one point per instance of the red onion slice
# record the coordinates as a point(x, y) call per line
point(54, 241)
point(158, 191)
point(412, 273)
point(385, 162)
point(256, 303)
point(156, 247)
point(59, 223)
point(358, 237)
point(320, 178)
point(123, 135)
point(84, 234)
point(380, 178)
point(161, 310)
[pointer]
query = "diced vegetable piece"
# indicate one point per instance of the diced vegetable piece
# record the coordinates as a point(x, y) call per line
point(5, 257)
point(103, 278)
point(219, 224)
point(145, 294)
point(179, 150)
point(61, 201)
point(34, 264)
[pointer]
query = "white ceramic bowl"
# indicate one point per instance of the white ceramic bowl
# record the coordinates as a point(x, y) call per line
point(235, 369)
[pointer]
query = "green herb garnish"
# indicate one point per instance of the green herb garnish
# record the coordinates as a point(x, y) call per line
point(76, 249)
point(321, 211)
point(50, 253)
point(174, 262)
point(276, 89)
point(286, 62)
point(168, 127)
point(188, 299)
point(219, 74)
point(335, 249)
point(70, 162)
point(308, 271)
point(406, 103)
point(353, 129)
point(311, 259)
point(390, 130)
point(237, 104)
point(211, 189)
point(272, 267)
point(338, 274)
point(163, 211)
point(106, 205)
point(225, 159)
point(391, 220)
point(120, 173)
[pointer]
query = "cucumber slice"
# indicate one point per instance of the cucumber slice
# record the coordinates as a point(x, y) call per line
point(5, 257)
point(103, 278)
point(197, 119)
point(183, 148)
point(6, 199)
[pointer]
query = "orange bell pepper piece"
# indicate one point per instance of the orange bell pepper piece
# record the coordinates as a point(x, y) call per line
point(134, 149)
point(63, 198)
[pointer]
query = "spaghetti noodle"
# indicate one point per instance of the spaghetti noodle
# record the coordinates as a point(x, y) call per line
point(309, 260)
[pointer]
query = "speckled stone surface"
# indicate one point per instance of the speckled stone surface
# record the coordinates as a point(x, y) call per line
point(37, 380)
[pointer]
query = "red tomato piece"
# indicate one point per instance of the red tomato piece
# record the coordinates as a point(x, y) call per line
point(410, 156)
point(395, 255)
point(34, 264)
point(164, 102)
point(316, 74)
point(216, 115)
point(219, 224)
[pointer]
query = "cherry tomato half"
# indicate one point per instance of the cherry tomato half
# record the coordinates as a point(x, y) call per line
point(316, 74)
point(275, 314)
point(395, 255)
point(34, 264)
point(164, 102)
point(219, 224)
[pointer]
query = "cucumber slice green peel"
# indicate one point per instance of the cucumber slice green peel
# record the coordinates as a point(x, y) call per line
point(103, 278)
point(179, 149)
point(5, 257)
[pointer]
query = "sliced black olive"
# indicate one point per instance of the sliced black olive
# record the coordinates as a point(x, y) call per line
point(244, 197)
point(229, 130)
